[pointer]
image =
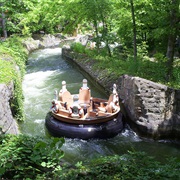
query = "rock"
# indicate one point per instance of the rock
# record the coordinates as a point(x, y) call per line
point(49, 41)
point(31, 44)
point(153, 108)
point(83, 39)
point(44, 41)
point(7, 124)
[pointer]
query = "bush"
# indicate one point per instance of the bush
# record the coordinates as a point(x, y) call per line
point(25, 157)
point(29, 157)
point(133, 165)
point(144, 67)
point(7, 72)
point(78, 47)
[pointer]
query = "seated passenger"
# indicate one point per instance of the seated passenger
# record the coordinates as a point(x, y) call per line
point(113, 102)
point(76, 110)
point(55, 106)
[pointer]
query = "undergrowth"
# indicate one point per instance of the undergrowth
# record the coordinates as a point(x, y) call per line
point(132, 165)
point(154, 69)
point(13, 57)
point(26, 157)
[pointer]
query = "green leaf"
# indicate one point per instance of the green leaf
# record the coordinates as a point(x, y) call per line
point(43, 164)
point(2, 170)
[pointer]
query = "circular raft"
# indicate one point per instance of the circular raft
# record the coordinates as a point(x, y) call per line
point(105, 130)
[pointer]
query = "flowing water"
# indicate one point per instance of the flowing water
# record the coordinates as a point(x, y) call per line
point(45, 71)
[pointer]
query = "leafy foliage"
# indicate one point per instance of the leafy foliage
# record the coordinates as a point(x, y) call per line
point(133, 165)
point(78, 47)
point(7, 71)
point(153, 69)
point(13, 59)
point(29, 157)
point(38, 158)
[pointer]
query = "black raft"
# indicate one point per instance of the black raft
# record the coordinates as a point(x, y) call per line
point(104, 130)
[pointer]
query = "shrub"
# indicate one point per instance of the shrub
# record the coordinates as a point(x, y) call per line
point(29, 157)
point(78, 47)
point(133, 165)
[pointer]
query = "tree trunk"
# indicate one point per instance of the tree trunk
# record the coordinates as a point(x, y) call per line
point(134, 29)
point(172, 37)
point(3, 22)
point(170, 56)
point(4, 25)
point(97, 35)
point(105, 36)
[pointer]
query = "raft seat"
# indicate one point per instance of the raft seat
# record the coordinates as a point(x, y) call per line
point(67, 98)
point(84, 96)
point(100, 113)
point(64, 112)
point(92, 113)
point(102, 109)
point(106, 108)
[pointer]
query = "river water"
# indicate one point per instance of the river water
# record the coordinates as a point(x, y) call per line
point(45, 71)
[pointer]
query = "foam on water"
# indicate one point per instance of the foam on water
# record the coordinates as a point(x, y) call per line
point(128, 133)
point(35, 83)
point(39, 121)
point(51, 51)
point(44, 53)
point(36, 79)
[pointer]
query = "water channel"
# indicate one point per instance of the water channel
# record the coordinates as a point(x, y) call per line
point(45, 71)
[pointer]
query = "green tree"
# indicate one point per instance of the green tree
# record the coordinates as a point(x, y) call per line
point(162, 26)
point(144, 24)
point(16, 11)
point(99, 14)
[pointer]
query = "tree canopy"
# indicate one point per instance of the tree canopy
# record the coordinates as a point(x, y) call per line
point(149, 24)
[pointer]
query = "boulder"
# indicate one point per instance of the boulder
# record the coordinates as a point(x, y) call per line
point(44, 41)
point(8, 125)
point(49, 41)
point(83, 39)
point(153, 109)
point(31, 44)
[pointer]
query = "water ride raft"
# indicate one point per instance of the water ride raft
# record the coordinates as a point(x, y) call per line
point(84, 117)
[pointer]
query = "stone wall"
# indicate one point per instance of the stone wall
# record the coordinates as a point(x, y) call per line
point(7, 124)
point(99, 76)
point(151, 109)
